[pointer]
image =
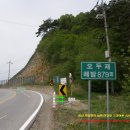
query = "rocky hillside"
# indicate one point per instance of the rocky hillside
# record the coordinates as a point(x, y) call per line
point(36, 66)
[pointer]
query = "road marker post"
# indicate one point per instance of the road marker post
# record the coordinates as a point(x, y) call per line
point(54, 99)
point(70, 83)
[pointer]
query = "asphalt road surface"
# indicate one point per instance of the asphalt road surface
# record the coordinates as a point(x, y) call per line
point(16, 106)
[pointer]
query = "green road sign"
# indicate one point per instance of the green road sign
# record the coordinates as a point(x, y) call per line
point(56, 79)
point(98, 70)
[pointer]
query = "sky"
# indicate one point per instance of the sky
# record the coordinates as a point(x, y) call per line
point(20, 20)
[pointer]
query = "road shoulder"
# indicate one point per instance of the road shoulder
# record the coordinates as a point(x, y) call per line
point(44, 120)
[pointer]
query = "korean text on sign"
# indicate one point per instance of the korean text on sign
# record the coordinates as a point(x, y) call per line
point(98, 70)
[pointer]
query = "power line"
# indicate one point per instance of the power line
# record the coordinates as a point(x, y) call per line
point(16, 23)
point(96, 5)
point(4, 72)
point(12, 70)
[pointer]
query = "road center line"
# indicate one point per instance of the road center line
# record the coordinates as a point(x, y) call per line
point(8, 98)
point(3, 117)
point(25, 94)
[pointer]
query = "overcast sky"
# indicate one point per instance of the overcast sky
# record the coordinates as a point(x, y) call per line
point(20, 19)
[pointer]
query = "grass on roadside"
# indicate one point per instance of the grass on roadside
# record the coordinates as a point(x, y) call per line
point(67, 119)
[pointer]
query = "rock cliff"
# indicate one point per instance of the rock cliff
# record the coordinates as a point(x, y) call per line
point(37, 66)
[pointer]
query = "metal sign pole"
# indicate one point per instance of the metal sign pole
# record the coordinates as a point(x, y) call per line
point(89, 97)
point(108, 112)
point(70, 82)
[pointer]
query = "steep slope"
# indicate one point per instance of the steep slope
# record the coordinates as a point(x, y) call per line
point(36, 66)
point(71, 39)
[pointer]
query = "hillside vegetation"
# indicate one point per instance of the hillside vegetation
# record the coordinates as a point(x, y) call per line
point(71, 39)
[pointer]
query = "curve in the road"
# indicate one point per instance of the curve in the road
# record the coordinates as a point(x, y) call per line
point(30, 120)
point(18, 109)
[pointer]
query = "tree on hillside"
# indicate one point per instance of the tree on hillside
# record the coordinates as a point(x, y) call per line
point(47, 25)
point(119, 22)
point(66, 22)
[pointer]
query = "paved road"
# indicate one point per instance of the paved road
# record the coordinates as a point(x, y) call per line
point(16, 106)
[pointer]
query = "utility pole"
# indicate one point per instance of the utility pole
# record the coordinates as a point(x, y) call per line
point(109, 60)
point(107, 55)
point(103, 16)
point(9, 69)
point(106, 31)
point(108, 52)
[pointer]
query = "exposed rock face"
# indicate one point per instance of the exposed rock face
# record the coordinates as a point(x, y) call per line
point(37, 66)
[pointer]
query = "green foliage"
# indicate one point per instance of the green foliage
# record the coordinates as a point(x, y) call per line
point(126, 62)
point(47, 25)
point(69, 40)
point(119, 22)
point(65, 51)
point(66, 22)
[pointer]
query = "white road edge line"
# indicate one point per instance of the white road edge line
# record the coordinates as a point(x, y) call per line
point(3, 117)
point(27, 124)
